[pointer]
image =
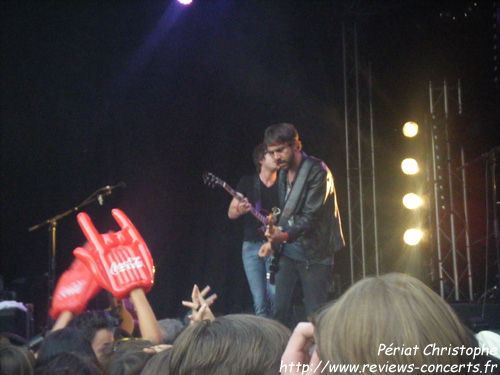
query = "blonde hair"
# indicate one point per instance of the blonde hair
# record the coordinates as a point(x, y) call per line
point(395, 310)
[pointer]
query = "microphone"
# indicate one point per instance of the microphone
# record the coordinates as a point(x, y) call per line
point(120, 185)
point(107, 190)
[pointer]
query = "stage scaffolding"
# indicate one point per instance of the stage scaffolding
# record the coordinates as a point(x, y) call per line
point(449, 240)
point(449, 223)
point(362, 239)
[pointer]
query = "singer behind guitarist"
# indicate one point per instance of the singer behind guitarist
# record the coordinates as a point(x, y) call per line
point(260, 189)
point(310, 223)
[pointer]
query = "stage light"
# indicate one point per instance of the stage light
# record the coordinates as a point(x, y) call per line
point(410, 129)
point(413, 236)
point(412, 201)
point(409, 166)
point(185, 2)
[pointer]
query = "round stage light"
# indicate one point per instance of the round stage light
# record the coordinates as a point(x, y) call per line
point(410, 129)
point(185, 2)
point(412, 237)
point(409, 166)
point(412, 201)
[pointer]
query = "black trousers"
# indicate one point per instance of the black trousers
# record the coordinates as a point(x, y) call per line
point(315, 286)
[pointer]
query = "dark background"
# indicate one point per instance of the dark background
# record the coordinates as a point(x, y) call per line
point(152, 94)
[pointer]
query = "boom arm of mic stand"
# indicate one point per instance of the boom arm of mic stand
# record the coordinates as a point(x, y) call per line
point(52, 223)
point(480, 157)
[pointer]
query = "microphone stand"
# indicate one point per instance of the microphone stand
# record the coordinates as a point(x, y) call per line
point(52, 225)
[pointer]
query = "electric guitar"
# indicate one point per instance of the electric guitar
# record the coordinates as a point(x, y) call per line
point(211, 180)
point(277, 250)
point(269, 221)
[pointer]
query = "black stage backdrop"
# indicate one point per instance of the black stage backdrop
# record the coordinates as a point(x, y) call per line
point(152, 94)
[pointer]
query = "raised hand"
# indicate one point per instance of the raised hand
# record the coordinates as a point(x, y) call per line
point(119, 261)
point(200, 305)
point(75, 288)
point(300, 356)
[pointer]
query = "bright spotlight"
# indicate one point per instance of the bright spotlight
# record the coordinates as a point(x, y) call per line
point(410, 129)
point(185, 2)
point(409, 166)
point(412, 201)
point(413, 236)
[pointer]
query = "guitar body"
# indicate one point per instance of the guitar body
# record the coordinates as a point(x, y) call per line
point(277, 251)
point(275, 263)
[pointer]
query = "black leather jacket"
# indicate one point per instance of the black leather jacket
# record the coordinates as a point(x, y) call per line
point(315, 222)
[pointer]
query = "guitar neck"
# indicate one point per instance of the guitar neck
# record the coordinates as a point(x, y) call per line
point(253, 211)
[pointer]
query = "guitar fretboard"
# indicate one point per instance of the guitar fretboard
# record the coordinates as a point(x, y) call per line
point(253, 211)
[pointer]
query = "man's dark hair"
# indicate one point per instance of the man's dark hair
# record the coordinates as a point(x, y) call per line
point(282, 133)
point(126, 357)
point(90, 322)
point(170, 329)
point(64, 340)
point(258, 154)
point(70, 363)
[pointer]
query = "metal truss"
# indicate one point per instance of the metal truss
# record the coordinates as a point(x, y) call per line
point(360, 161)
point(449, 214)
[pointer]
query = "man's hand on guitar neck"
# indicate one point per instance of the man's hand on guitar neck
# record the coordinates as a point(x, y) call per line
point(239, 206)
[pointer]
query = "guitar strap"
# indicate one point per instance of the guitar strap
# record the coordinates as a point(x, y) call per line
point(296, 192)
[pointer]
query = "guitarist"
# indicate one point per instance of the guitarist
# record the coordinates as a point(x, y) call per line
point(310, 221)
point(261, 190)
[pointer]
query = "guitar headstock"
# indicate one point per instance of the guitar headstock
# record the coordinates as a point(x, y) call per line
point(212, 180)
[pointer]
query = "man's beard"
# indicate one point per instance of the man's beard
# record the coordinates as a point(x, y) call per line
point(287, 164)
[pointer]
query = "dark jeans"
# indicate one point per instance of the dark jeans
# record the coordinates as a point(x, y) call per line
point(314, 279)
